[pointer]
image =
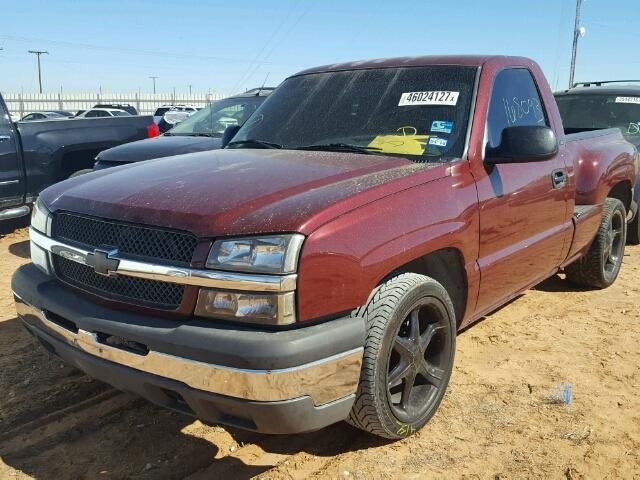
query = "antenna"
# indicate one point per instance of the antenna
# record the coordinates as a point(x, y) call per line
point(263, 83)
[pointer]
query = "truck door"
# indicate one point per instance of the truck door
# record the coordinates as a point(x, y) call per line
point(11, 176)
point(522, 205)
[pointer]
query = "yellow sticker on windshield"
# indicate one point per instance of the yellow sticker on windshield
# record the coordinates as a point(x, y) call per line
point(405, 142)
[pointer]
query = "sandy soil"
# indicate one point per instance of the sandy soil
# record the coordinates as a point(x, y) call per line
point(499, 419)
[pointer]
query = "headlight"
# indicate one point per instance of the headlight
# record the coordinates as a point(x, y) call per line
point(249, 307)
point(41, 221)
point(276, 254)
point(41, 218)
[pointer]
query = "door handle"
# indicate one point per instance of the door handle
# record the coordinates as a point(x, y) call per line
point(559, 178)
point(5, 137)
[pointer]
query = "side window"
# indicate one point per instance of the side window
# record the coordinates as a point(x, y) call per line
point(5, 119)
point(28, 117)
point(515, 102)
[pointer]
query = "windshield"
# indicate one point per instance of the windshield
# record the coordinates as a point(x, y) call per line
point(594, 112)
point(420, 112)
point(213, 119)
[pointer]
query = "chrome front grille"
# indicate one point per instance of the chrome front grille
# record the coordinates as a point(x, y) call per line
point(151, 244)
point(151, 293)
point(136, 240)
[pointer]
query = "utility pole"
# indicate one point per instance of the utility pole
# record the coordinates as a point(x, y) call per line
point(187, 85)
point(578, 32)
point(154, 83)
point(38, 53)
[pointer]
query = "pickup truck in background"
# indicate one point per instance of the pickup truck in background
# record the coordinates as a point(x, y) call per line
point(599, 105)
point(34, 155)
point(200, 132)
point(320, 266)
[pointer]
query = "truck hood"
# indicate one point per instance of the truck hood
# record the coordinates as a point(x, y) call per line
point(162, 146)
point(239, 191)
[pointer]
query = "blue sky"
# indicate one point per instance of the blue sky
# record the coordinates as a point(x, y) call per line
point(228, 46)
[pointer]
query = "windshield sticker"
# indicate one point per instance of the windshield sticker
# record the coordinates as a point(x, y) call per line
point(438, 142)
point(441, 126)
point(406, 141)
point(628, 100)
point(633, 128)
point(436, 97)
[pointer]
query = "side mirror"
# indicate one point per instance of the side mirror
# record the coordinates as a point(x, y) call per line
point(523, 144)
point(228, 134)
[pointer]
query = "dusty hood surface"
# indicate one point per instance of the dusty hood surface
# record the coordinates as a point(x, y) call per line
point(162, 146)
point(231, 192)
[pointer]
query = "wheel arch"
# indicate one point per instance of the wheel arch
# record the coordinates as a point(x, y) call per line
point(446, 266)
point(623, 191)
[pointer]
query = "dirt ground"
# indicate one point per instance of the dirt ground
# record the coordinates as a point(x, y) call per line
point(499, 419)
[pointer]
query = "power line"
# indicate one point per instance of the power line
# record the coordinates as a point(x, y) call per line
point(245, 75)
point(129, 51)
point(38, 53)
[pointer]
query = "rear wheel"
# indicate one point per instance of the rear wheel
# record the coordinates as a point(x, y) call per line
point(633, 231)
point(408, 356)
point(599, 268)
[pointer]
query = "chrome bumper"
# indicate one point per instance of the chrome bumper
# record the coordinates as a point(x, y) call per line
point(324, 380)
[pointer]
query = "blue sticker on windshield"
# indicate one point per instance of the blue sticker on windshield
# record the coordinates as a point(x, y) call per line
point(441, 126)
point(438, 142)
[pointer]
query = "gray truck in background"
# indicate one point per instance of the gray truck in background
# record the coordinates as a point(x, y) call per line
point(34, 155)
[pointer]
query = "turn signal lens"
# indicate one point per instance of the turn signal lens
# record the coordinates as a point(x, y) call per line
point(262, 308)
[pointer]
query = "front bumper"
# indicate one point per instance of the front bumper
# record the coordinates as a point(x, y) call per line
point(272, 382)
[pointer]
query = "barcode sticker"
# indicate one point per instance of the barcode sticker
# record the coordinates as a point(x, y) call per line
point(628, 100)
point(436, 97)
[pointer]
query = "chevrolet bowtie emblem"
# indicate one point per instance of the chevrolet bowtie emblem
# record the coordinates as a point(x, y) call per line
point(102, 262)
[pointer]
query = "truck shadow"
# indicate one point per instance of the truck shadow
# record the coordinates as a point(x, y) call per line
point(20, 249)
point(57, 423)
point(557, 283)
point(9, 226)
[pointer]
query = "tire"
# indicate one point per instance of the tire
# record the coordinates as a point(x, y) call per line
point(599, 268)
point(397, 309)
point(633, 231)
point(81, 172)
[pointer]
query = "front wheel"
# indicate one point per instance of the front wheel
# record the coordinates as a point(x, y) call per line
point(408, 356)
point(600, 266)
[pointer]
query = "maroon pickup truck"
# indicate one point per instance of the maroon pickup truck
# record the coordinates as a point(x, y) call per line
point(319, 267)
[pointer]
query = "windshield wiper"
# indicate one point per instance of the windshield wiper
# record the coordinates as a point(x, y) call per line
point(252, 141)
point(340, 147)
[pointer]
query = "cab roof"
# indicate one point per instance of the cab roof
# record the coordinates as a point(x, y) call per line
point(633, 90)
point(418, 61)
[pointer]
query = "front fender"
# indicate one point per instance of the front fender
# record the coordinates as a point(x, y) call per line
point(345, 259)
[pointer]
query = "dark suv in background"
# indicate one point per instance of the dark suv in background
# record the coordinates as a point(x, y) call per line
point(606, 104)
point(202, 131)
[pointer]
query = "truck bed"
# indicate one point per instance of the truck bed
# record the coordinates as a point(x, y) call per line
point(53, 150)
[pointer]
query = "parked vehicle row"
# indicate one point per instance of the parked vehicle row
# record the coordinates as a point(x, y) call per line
point(34, 155)
point(319, 266)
